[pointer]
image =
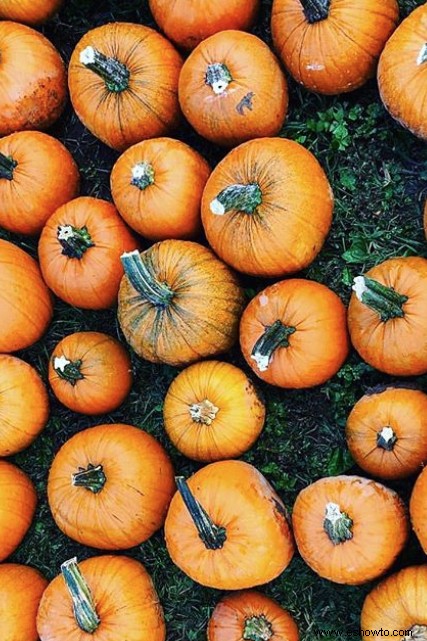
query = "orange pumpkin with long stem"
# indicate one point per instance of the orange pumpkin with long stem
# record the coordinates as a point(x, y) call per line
point(32, 12)
point(21, 588)
point(418, 510)
point(18, 500)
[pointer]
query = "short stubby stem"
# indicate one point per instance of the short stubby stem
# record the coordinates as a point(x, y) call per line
point(142, 175)
point(337, 524)
point(386, 438)
point(7, 165)
point(144, 281)
point(74, 241)
point(69, 371)
point(203, 412)
point(257, 628)
point(316, 10)
point(83, 605)
point(275, 336)
point(422, 56)
point(417, 633)
point(381, 299)
point(114, 73)
point(244, 198)
point(91, 478)
point(218, 77)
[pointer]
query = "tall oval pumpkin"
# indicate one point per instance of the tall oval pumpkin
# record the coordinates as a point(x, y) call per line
point(18, 500)
point(21, 588)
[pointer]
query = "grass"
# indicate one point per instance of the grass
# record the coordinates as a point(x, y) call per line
point(379, 176)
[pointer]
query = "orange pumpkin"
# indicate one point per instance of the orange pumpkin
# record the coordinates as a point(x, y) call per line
point(231, 89)
point(418, 508)
point(79, 252)
point(386, 316)
point(25, 302)
point(178, 303)
point(18, 500)
point(252, 222)
point(349, 529)
point(98, 474)
point(332, 46)
point(212, 411)
point(101, 598)
point(37, 175)
point(227, 528)
point(123, 81)
point(157, 187)
point(90, 372)
point(32, 12)
point(21, 589)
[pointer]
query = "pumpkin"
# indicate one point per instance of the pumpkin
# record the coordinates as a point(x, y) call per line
point(157, 187)
point(29, 11)
point(25, 302)
point(212, 411)
point(98, 474)
point(37, 175)
point(33, 85)
point(24, 405)
point(123, 82)
point(387, 432)
point(178, 303)
point(418, 509)
point(332, 46)
point(18, 500)
point(252, 222)
point(188, 22)
point(102, 597)
point(231, 89)
point(293, 333)
point(349, 529)
point(402, 71)
point(227, 528)
point(79, 252)
point(397, 606)
point(251, 616)
point(90, 372)
point(21, 588)
point(386, 316)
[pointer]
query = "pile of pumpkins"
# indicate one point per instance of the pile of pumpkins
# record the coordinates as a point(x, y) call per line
point(265, 210)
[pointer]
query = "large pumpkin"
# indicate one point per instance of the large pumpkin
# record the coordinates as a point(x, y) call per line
point(29, 11)
point(178, 303)
point(252, 222)
point(18, 500)
point(231, 89)
point(21, 588)
point(418, 508)
point(332, 46)
point(227, 528)
point(123, 81)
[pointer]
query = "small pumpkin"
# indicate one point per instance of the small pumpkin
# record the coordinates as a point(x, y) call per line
point(157, 187)
point(90, 372)
point(21, 588)
point(32, 12)
point(349, 529)
point(79, 252)
point(231, 89)
point(18, 500)
point(101, 471)
point(212, 411)
point(418, 509)
point(227, 528)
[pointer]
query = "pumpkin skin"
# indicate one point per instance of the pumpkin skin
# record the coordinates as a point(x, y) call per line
point(25, 303)
point(396, 345)
point(144, 101)
point(332, 49)
point(157, 187)
point(293, 333)
point(24, 405)
point(252, 104)
point(84, 272)
point(190, 308)
point(91, 505)
point(253, 223)
point(417, 509)
point(97, 377)
point(355, 552)
point(252, 542)
point(18, 613)
point(45, 176)
point(212, 411)
point(31, 12)
point(18, 500)
point(33, 86)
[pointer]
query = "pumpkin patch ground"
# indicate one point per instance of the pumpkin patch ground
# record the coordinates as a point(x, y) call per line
point(377, 170)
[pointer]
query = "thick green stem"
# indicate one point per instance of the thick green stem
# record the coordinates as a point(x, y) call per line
point(83, 605)
point(114, 73)
point(337, 524)
point(245, 198)
point(68, 370)
point(422, 56)
point(417, 633)
point(142, 175)
point(91, 478)
point(315, 10)
point(380, 298)
point(218, 77)
point(144, 281)
point(257, 628)
point(74, 241)
point(203, 412)
point(386, 438)
point(275, 336)
point(7, 165)
point(212, 535)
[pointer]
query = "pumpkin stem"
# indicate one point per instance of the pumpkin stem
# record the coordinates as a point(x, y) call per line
point(218, 77)
point(276, 335)
point(92, 478)
point(417, 633)
point(244, 198)
point(315, 10)
point(74, 240)
point(386, 438)
point(212, 535)
point(422, 56)
point(7, 165)
point(382, 299)
point(144, 281)
point(337, 524)
point(203, 412)
point(257, 628)
point(83, 606)
point(68, 370)
point(142, 175)
point(115, 74)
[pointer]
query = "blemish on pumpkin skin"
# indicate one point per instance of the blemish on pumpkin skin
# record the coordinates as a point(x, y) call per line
point(246, 101)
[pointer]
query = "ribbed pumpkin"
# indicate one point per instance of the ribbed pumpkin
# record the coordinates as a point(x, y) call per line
point(157, 187)
point(123, 81)
point(79, 251)
point(255, 224)
point(227, 528)
point(349, 529)
point(332, 46)
point(418, 508)
point(101, 598)
point(231, 89)
point(21, 588)
point(29, 11)
point(109, 486)
point(18, 500)
point(37, 175)
point(212, 411)
point(178, 303)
